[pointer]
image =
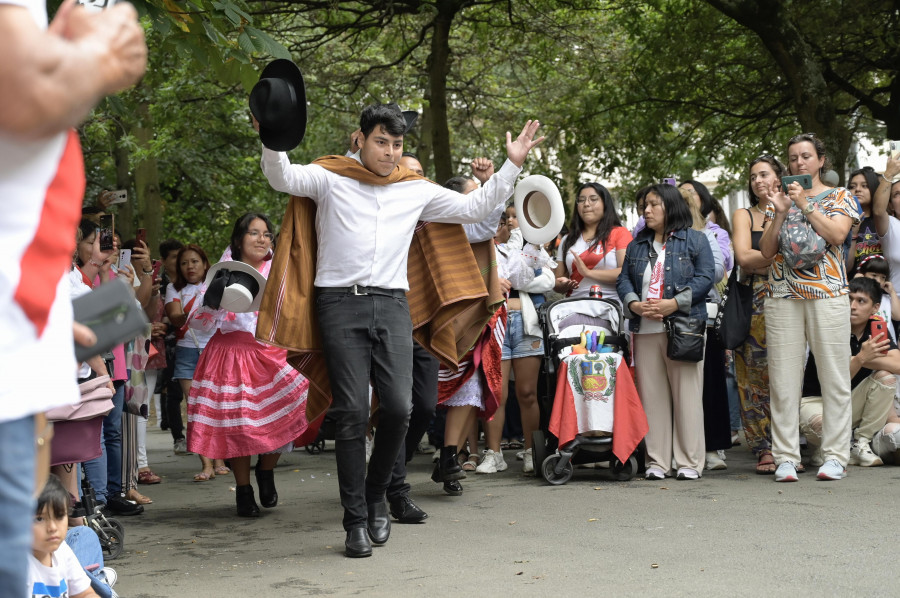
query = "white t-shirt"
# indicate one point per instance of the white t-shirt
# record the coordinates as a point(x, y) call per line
point(188, 337)
point(66, 576)
point(652, 326)
point(191, 299)
point(890, 245)
point(41, 187)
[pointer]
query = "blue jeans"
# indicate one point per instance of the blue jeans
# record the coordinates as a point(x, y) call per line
point(16, 502)
point(365, 338)
point(105, 472)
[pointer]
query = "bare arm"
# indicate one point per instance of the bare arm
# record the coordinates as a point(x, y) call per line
point(751, 260)
point(50, 80)
point(883, 196)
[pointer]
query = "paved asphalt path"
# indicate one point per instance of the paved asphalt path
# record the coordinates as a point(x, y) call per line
point(732, 533)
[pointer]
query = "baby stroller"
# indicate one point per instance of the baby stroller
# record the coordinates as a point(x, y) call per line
point(562, 323)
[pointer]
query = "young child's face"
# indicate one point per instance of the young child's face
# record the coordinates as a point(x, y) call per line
point(512, 222)
point(879, 278)
point(49, 532)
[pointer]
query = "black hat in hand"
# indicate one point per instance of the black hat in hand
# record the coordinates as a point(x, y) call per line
point(278, 101)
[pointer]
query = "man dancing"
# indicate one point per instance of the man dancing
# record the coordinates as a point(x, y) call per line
point(367, 210)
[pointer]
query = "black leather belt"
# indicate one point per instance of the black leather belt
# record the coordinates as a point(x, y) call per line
point(361, 290)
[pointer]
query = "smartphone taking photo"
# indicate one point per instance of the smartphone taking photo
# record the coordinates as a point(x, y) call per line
point(805, 181)
point(124, 258)
point(107, 222)
point(878, 331)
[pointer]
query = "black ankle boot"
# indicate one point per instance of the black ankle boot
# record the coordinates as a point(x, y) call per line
point(448, 468)
point(265, 480)
point(246, 503)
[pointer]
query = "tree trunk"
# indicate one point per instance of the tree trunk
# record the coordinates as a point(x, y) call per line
point(438, 65)
point(125, 215)
point(146, 182)
point(814, 104)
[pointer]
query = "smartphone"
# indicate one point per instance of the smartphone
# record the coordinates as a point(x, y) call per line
point(805, 181)
point(157, 267)
point(119, 196)
point(895, 149)
point(124, 259)
point(670, 180)
point(107, 223)
point(141, 236)
point(878, 328)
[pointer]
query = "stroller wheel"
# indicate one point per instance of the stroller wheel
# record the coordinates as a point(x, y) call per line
point(548, 469)
point(538, 450)
point(114, 543)
point(624, 471)
point(115, 524)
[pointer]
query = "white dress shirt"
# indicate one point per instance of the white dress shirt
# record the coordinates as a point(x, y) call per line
point(364, 231)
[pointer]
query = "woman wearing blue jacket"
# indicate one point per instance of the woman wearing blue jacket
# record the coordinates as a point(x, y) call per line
point(668, 268)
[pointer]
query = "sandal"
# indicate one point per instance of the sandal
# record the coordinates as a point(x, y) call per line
point(471, 463)
point(135, 496)
point(148, 477)
point(765, 465)
point(516, 444)
point(222, 470)
point(204, 477)
point(462, 456)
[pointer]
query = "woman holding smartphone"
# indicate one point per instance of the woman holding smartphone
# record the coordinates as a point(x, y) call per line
point(810, 307)
point(751, 367)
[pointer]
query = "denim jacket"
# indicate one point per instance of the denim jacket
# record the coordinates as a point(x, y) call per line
point(688, 276)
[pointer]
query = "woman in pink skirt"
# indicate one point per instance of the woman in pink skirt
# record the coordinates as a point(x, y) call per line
point(245, 399)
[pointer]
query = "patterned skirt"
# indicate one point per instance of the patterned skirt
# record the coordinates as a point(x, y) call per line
point(245, 399)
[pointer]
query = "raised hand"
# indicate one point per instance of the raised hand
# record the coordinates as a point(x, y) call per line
point(779, 201)
point(517, 150)
point(482, 169)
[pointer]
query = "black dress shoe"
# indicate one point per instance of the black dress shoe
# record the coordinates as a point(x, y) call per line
point(246, 503)
point(265, 480)
point(117, 505)
point(357, 544)
point(379, 524)
point(405, 510)
point(453, 488)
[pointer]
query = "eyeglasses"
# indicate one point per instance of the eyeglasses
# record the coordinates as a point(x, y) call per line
point(254, 234)
point(591, 199)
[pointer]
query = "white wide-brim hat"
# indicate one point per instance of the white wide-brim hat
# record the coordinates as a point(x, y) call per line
point(539, 209)
point(238, 296)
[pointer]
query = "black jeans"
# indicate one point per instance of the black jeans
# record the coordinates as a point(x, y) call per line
point(366, 337)
point(424, 402)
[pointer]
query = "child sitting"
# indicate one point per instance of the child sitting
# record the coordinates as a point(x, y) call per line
point(53, 569)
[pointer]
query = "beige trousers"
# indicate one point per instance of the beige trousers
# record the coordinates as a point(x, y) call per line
point(823, 324)
point(871, 402)
point(672, 395)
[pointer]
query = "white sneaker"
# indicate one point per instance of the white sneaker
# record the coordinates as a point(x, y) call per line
point(425, 448)
point(520, 455)
point(488, 462)
point(861, 454)
point(528, 462)
point(715, 461)
point(108, 575)
point(180, 447)
point(786, 472)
